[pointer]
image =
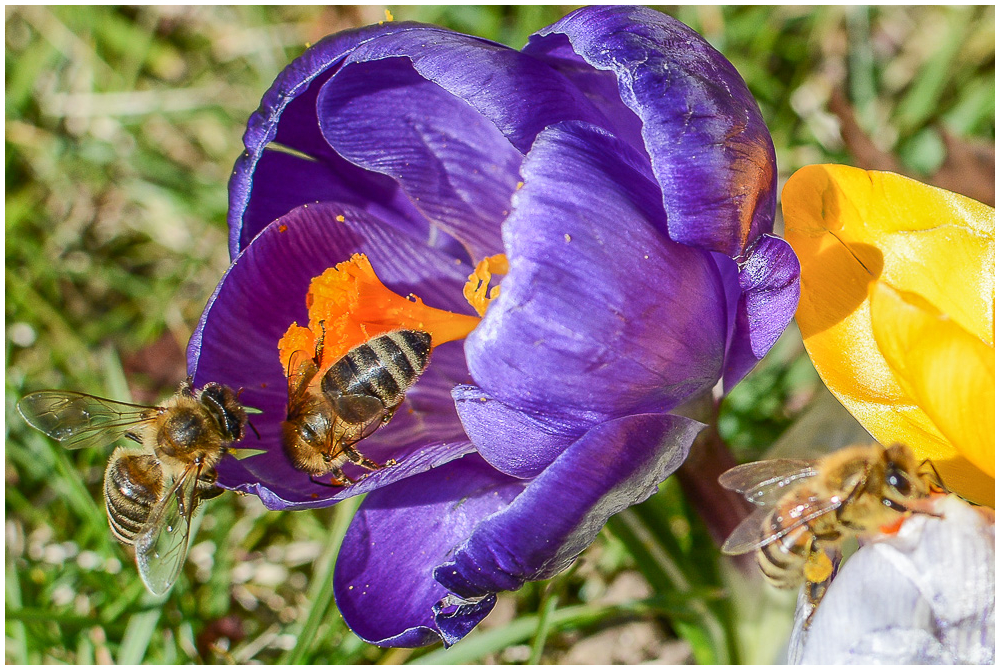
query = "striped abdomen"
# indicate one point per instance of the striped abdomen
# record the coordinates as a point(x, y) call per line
point(133, 484)
point(783, 560)
point(384, 367)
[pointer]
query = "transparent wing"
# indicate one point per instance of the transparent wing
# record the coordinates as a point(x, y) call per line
point(747, 535)
point(79, 420)
point(764, 482)
point(361, 410)
point(161, 547)
point(752, 533)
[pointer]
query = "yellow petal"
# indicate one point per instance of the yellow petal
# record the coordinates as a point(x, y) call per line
point(850, 229)
point(926, 240)
point(947, 370)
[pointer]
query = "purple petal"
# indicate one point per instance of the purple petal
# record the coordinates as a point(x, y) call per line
point(600, 87)
point(383, 582)
point(264, 292)
point(287, 115)
point(457, 168)
point(514, 442)
point(283, 181)
point(710, 149)
point(516, 92)
point(613, 466)
point(769, 279)
point(597, 292)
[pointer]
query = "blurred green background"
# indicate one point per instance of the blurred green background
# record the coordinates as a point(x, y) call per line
point(122, 125)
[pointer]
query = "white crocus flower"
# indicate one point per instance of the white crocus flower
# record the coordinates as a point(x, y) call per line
point(925, 595)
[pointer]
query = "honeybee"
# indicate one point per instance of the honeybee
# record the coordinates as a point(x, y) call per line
point(150, 495)
point(329, 413)
point(806, 510)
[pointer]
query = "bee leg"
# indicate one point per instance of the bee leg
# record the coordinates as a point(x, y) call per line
point(355, 457)
point(336, 478)
point(819, 571)
point(319, 342)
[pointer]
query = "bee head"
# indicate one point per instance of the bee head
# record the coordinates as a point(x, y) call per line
point(900, 477)
point(228, 413)
point(306, 441)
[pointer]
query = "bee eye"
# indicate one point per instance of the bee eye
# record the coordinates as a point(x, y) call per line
point(896, 480)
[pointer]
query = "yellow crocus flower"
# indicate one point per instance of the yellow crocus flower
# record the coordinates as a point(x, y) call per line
point(897, 311)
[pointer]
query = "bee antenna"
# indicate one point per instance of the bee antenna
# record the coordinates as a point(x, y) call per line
point(254, 429)
point(938, 482)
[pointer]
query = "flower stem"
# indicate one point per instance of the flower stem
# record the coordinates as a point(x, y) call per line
point(721, 509)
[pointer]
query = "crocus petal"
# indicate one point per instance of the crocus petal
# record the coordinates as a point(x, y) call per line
point(852, 229)
point(383, 581)
point(517, 443)
point(600, 87)
point(897, 228)
point(283, 181)
point(613, 466)
point(264, 291)
point(949, 371)
point(769, 279)
point(595, 283)
point(514, 91)
point(457, 168)
point(287, 114)
point(925, 596)
point(710, 149)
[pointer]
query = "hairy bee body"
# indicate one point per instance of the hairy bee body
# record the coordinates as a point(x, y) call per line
point(150, 495)
point(807, 510)
point(353, 398)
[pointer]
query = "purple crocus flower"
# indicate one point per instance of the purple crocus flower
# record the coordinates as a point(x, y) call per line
point(624, 169)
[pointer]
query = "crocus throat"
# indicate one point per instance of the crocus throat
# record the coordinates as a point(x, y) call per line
point(348, 306)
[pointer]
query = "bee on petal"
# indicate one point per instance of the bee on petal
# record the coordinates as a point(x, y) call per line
point(329, 413)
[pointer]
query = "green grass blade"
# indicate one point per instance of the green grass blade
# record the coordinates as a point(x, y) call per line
point(140, 630)
point(544, 625)
point(17, 645)
point(321, 590)
point(480, 644)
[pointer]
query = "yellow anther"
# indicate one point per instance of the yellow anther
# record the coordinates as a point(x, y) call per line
point(477, 290)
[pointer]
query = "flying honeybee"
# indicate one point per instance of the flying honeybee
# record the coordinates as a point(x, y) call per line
point(807, 509)
point(152, 494)
point(329, 413)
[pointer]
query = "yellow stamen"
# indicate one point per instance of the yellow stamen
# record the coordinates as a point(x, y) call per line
point(348, 306)
point(477, 291)
point(388, 16)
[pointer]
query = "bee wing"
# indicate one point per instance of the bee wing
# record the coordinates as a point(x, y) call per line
point(358, 408)
point(79, 420)
point(764, 482)
point(161, 547)
point(751, 533)
point(748, 534)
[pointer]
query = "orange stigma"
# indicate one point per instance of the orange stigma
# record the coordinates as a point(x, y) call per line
point(477, 291)
point(348, 306)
